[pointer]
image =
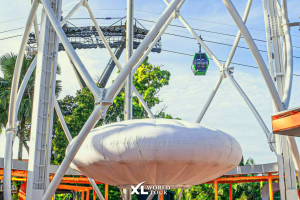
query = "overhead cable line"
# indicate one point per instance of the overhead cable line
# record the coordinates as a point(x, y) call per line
point(186, 54)
point(213, 22)
point(10, 37)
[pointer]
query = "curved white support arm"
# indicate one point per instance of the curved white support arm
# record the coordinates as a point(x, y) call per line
point(288, 56)
point(12, 112)
point(24, 84)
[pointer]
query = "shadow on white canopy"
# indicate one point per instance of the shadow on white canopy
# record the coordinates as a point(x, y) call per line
point(158, 151)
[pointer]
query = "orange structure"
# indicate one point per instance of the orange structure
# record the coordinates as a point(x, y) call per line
point(243, 179)
point(21, 175)
point(287, 122)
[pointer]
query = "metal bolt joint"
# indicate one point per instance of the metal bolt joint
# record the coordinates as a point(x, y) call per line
point(176, 14)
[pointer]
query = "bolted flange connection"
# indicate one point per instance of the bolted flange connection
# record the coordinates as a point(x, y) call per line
point(223, 70)
point(104, 103)
point(176, 14)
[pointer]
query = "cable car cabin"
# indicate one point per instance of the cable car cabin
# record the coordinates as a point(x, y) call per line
point(200, 64)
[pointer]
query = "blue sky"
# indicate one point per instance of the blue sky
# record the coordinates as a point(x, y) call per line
point(186, 94)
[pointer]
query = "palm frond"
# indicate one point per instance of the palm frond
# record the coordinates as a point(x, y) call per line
point(4, 83)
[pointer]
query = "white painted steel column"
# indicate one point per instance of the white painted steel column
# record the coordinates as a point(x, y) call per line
point(128, 113)
point(69, 137)
point(127, 194)
point(250, 105)
point(43, 109)
point(141, 49)
point(89, 125)
point(95, 187)
point(268, 38)
point(33, 63)
point(62, 121)
point(210, 98)
point(278, 67)
point(10, 129)
point(289, 55)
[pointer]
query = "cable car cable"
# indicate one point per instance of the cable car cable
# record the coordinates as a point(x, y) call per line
point(186, 54)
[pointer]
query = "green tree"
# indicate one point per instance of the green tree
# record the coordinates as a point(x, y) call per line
point(7, 66)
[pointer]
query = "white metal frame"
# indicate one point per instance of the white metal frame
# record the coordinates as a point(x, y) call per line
point(286, 147)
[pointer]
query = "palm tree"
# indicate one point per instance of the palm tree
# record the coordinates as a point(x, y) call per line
point(7, 65)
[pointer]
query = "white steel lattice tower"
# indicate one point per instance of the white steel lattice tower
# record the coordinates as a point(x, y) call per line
point(43, 109)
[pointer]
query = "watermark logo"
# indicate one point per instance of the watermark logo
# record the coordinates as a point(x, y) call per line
point(152, 189)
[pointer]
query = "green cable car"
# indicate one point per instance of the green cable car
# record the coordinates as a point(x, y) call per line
point(200, 64)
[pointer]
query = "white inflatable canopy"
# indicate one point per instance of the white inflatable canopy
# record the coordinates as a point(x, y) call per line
point(159, 151)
